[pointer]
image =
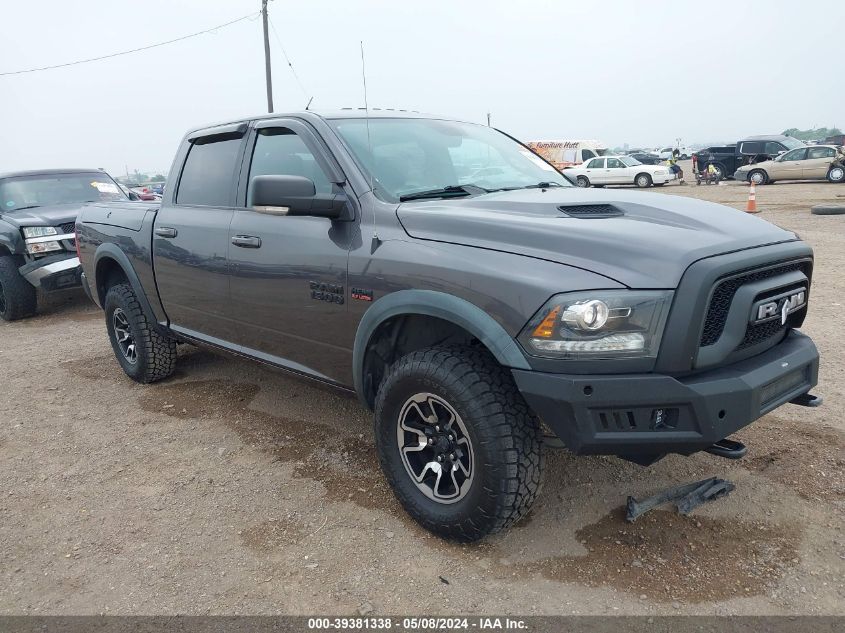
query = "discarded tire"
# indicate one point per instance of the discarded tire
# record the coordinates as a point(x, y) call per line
point(828, 209)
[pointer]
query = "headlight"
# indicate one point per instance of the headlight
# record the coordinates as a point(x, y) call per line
point(37, 248)
point(599, 324)
point(38, 231)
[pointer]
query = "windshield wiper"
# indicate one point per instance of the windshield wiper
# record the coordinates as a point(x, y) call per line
point(31, 206)
point(542, 185)
point(452, 191)
point(539, 185)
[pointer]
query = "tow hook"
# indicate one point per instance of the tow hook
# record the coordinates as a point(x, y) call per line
point(729, 449)
point(807, 400)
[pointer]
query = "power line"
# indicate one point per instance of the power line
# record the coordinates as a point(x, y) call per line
point(287, 59)
point(134, 50)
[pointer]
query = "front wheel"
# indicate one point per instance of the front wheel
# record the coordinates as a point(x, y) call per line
point(642, 181)
point(18, 299)
point(836, 174)
point(582, 181)
point(144, 353)
point(457, 442)
point(758, 177)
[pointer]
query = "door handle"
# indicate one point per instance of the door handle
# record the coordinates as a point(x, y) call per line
point(246, 241)
point(166, 231)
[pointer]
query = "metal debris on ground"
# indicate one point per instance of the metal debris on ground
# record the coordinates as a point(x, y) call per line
point(687, 497)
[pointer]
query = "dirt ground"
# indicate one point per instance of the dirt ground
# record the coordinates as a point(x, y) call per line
point(233, 489)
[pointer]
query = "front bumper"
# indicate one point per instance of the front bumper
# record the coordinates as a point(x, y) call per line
point(54, 272)
point(644, 416)
point(741, 174)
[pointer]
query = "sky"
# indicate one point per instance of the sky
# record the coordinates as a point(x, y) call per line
point(642, 73)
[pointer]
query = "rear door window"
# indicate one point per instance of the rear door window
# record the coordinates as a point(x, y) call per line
point(821, 152)
point(752, 147)
point(209, 172)
point(596, 163)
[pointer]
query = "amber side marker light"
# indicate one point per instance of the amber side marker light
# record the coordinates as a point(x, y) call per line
point(546, 329)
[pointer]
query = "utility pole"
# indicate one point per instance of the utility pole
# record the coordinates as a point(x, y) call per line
point(267, 71)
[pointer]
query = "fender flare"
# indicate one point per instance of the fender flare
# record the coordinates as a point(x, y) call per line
point(443, 306)
point(109, 250)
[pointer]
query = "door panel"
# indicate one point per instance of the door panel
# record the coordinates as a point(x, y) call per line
point(289, 287)
point(192, 271)
point(792, 165)
point(818, 162)
point(191, 237)
point(616, 173)
point(596, 171)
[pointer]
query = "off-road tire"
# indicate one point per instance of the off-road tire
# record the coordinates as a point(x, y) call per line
point(505, 436)
point(155, 351)
point(828, 209)
point(18, 299)
point(643, 181)
point(582, 181)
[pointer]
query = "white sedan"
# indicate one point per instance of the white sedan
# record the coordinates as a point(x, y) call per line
point(619, 170)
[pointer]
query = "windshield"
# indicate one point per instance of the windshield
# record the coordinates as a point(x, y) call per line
point(414, 155)
point(630, 161)
point(38, 191)
point(792, 143)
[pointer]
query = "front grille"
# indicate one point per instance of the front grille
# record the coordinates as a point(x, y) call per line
point(723, 294)
point(67, 227)
point(759, 332)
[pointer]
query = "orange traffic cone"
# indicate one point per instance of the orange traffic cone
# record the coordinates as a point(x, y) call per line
point(751, 207)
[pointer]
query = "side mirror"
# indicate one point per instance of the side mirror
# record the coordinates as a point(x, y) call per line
point(134, 196)
point(296, 195)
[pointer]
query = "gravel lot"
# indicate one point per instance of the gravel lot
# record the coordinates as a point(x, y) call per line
point(233, 489)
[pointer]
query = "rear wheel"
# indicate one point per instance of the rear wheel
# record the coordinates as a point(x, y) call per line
point(144, 353)
point(457, 442)
point(758, 177)
point(642, 181)
point(720, 171)
point(836, 174)
point(18, 299)
point(582, 181)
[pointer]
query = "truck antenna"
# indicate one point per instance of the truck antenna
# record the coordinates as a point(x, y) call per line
point(376, 241)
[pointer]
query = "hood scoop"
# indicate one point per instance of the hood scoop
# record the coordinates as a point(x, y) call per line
point(591, 211)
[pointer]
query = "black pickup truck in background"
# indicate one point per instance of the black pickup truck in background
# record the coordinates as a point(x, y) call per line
point(726, 159)
point(38, 212)
point(465, 291)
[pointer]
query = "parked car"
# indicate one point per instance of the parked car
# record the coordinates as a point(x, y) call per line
point(619, 170)
point(645, 158)
point(837, 139)
point(38, 212)
point(666, 152)
point(356, 251)
point(754, 149)
point(817, 162)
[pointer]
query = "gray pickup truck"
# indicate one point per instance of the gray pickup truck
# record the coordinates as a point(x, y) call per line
point(478, 303)
point(38, 212)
